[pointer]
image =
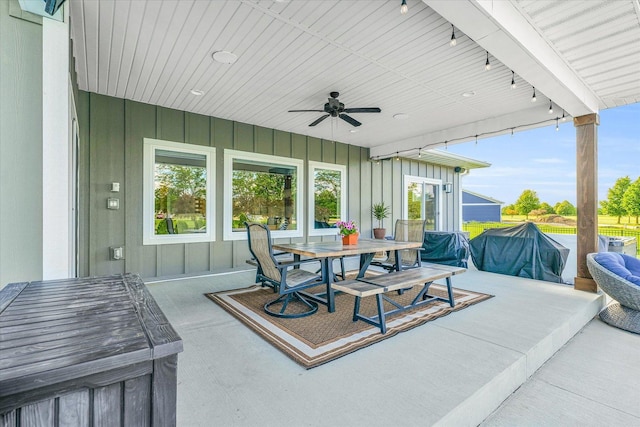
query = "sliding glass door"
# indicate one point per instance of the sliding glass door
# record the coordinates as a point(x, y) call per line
point(422, 200)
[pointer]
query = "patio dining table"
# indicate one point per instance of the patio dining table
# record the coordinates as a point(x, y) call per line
point(328, 251)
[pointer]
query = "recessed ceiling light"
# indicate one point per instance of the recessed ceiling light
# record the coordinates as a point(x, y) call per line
point(469, 94)
point(353, 130)
point(401, 116)
point(224, 57)
point(197, 92)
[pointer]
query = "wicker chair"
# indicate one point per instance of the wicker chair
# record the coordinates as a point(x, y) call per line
point(625, 313)
point(283, 276)
point(407, 230)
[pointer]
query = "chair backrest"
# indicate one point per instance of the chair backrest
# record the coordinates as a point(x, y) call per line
point(408, 230)
point(170, 228)
point(259, 239)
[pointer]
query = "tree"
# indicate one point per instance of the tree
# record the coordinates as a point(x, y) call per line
point(509, 210)
point(613, 205)
point(631, 199)
point(527, 202)
point(565, 208)
point(547, 208)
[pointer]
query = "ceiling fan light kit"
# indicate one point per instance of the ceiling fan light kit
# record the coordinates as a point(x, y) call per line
point(335, 108)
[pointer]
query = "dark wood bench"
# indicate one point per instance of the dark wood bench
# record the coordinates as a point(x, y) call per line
point(397, 281)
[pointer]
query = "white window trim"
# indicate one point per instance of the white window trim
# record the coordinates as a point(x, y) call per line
point(406, 179)
point(312, 206)
point(148, 202)
point(229, 157)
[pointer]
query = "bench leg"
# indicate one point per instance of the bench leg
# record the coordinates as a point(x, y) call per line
point(450, 292)
point(381, 323)
point(381, 314)
point(356, 309)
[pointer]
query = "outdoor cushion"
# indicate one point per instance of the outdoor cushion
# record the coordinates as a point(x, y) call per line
point(622, 265)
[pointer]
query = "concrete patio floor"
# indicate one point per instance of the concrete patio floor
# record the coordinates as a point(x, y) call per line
point(457, 370)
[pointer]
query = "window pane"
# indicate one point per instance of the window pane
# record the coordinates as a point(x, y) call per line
point(180, 185)
point(264, 193)
point(414, 201)
point(327, 197)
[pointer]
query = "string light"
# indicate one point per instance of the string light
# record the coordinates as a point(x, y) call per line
point(513, 79)
point(453, 41)
point(550, 108)
point(465, 138)
point(533, 98)
point(557, 127)
point(564, 118)
point(419, 153)
point(446, 147)
point(487, 65)
point(403, 7)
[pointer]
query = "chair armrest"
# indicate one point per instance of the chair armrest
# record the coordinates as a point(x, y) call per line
point(286, 264)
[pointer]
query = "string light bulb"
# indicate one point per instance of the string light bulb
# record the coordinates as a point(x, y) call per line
point(403, 7)
point(533, 98)
point(512, 132)
point(397, 156)
point(564, 118)
point(513, 80)
point(557, 127)
point(453, 41)
point(487, 65)
point(476, 139)
point(550, 107)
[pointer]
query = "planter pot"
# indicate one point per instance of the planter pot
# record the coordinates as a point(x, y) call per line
point(351, 239)
point(379, 233)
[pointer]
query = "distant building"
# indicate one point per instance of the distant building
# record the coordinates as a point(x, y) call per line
point(476, 207)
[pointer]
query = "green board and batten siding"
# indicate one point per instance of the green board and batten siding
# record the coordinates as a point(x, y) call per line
point(112, 132)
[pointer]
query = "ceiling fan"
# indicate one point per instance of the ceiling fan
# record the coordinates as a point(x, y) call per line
point(335, 108)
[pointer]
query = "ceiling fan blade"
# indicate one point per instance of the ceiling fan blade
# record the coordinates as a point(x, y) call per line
point(362, 110)
point(350, 120)
point(305, 111)
point(319, 120)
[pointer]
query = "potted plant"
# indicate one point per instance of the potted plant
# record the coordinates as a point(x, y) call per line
point(348, 231)
point(380, 212)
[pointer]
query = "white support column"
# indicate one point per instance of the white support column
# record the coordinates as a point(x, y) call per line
point(57, 256)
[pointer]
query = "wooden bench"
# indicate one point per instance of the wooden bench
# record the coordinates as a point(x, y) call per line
point(397, 281)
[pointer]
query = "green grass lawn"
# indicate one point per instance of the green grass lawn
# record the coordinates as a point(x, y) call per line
point(603, 220)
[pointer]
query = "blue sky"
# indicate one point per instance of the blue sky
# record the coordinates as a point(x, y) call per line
point(544, 160)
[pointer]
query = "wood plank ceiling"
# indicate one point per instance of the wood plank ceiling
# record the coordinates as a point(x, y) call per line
point(291, 54)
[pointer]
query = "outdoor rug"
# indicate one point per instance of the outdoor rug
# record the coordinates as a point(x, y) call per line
point(324, 336)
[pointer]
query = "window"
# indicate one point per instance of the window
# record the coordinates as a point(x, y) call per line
point(422, 200)
point(327, 197)
point(178, 193)
point(264, 189)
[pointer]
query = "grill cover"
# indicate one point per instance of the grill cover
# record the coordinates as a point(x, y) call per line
point(522, 250)
point(445, 247)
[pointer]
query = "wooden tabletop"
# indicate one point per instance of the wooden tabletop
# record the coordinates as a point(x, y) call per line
point(65, 329)
point(337, 249)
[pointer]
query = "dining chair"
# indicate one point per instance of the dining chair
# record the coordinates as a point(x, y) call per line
point(406, 230)
point(282, 276)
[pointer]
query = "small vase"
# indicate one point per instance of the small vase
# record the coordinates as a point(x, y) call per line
point(350, 239)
